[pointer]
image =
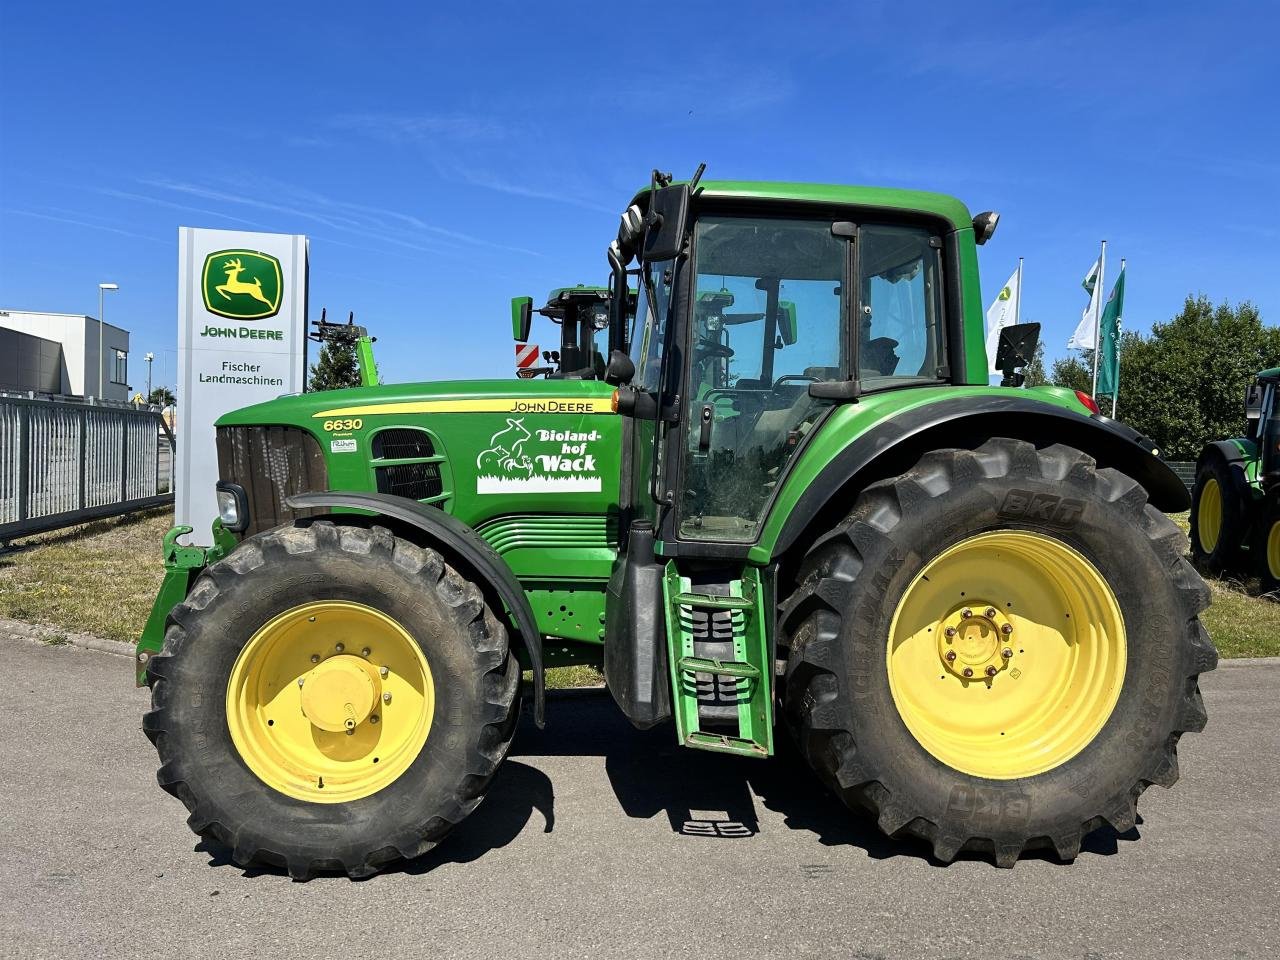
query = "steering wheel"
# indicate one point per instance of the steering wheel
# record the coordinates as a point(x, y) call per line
point(801, 377)
point(709, 348)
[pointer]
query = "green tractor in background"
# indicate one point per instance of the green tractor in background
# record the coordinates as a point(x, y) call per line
point(582, 314)
point(792, 498)
point(1235, 503)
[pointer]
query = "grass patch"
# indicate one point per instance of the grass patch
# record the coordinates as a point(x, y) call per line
point(98, 578)
point(102, 577)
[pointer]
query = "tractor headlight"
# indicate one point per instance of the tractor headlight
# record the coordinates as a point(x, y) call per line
point(233, 508)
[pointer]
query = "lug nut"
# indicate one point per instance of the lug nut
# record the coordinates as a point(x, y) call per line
point(991, 671)
point(315, 658)
point(364, 652)
point(300, 680)
point(1006, 653)
point(339, 647)
point(968, 671)
point(373, 718)
point(951, 656)
point(382, 672)
point(1006, 628)
point(966, 613)
point(386, 698)
point(950, 631)
point(989, 612)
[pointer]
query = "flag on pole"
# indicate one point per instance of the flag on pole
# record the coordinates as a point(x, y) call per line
point(1109, 341)
point(1087, 331)
point(1002, 312)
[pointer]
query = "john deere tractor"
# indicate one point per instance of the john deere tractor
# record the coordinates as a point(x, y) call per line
point(582, 314)
point(1235, 504)
point(792, 501)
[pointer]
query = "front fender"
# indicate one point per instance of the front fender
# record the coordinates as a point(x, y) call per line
point(462, 545)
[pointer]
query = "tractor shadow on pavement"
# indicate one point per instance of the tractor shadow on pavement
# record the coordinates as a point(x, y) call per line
point(710, 796)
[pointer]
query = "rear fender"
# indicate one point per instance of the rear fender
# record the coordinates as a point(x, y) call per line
point(895, 445)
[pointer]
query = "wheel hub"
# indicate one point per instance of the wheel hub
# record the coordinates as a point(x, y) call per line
point(340, 693)
point(974, 641)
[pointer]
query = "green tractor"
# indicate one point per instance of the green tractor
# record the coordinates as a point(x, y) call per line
point(1235, 503)
point(792, 500)
point(582, 314)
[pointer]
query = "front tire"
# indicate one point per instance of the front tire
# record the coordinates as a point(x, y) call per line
point(976, 561)
point(1218, 516)
point(331, 698)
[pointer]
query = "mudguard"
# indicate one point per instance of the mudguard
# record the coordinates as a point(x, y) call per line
point(896, 444)
point(461, 543)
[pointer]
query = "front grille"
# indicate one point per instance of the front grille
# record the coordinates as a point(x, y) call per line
point(417, 481)
point(271, 463)
point(402, 443)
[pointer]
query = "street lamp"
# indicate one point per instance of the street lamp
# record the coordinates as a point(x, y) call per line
point(149, 357)
point(102, 360)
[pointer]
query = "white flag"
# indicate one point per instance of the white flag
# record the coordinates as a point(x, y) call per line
point(1085, 337)
point(1002, 312)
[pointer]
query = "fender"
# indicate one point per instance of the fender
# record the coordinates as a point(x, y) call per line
point(895, 445)
point(462, 542)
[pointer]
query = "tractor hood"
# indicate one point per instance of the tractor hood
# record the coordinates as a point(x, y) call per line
point(415, 399)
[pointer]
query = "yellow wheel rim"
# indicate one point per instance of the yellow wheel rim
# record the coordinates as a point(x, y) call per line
point(1209, 516)
point(330, 702)
point(1273, 550)
point(1006, 654)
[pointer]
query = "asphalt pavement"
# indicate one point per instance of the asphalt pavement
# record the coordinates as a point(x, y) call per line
point(597, 840)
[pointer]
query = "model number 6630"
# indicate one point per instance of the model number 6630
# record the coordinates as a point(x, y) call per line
point(331, 425)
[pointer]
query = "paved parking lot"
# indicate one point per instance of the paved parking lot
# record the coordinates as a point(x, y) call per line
point(598, 840)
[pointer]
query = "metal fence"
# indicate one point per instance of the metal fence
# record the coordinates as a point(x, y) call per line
point(67, 462)
point(1186, 471)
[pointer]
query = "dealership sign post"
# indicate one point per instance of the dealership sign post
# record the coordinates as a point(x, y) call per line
point(242, 319)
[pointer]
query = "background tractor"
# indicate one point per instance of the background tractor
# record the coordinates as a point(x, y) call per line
point(1235, 511)
point(791, 497)
point(582, 314)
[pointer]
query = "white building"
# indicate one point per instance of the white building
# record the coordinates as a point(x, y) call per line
point(39, 350)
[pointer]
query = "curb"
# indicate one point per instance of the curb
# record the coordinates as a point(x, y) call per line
point(53, 636)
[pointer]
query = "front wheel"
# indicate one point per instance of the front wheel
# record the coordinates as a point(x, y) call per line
point(997, 650)
point(1268, 546)
point(331, 698)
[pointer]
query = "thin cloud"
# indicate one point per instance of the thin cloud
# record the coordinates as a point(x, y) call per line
point(169, 204)
point(75, 222)
point(402, 128)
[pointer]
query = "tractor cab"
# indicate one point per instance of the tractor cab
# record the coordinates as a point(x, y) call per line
point(582, 313)
point(1262, 424)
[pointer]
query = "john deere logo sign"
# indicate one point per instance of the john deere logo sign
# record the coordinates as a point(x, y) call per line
point(241, 284)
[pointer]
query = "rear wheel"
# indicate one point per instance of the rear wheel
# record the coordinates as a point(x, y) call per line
point(331, 698)
point(1268, 548)
point(1217, 516)
point(997, 650)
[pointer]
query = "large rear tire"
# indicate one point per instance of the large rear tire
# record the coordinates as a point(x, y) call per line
point(331, 698)
point(997, 651)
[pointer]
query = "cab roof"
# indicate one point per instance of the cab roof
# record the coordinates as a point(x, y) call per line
point(914, 201)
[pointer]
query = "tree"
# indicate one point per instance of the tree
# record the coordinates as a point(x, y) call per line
point(162, 397)
point(1034, 371)
point(337, 366)
point(1073, 372)
point(1184, 384)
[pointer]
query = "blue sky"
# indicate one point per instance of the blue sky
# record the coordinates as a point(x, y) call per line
point(443, 161)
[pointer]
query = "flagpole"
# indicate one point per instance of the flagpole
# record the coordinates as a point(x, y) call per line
point(1017, 306)
point(1115, 393)
point(1097, 315)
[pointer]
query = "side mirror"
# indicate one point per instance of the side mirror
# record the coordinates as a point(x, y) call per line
point(620, 368)
point(521, 318)
point(1252, 410)
point(787, 322)
point(1017, 348)
point(665, 223)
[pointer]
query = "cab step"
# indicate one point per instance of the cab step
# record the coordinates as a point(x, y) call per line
point(714, 694)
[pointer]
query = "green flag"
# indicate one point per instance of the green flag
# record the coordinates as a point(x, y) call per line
point(1109, 340)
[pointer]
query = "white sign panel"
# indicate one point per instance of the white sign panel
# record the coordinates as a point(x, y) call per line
point(242, 325)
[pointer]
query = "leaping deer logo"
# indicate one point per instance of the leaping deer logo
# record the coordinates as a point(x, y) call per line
point(233, 268)
point(506, 451)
